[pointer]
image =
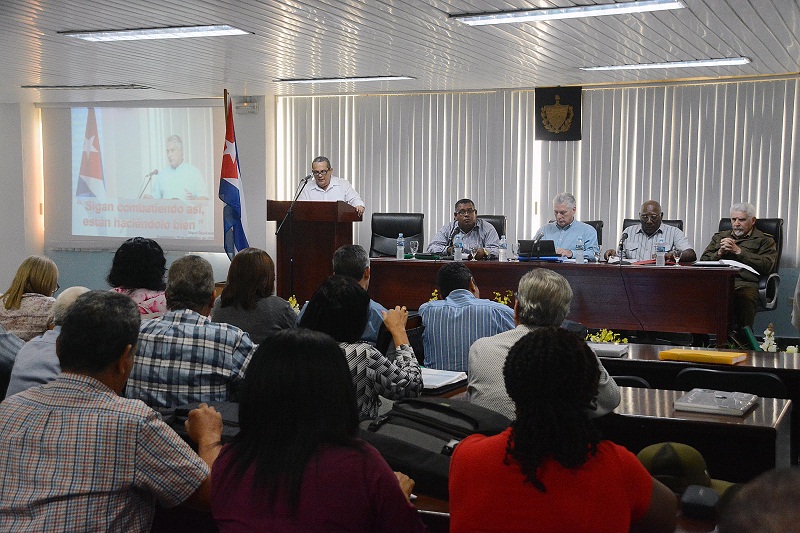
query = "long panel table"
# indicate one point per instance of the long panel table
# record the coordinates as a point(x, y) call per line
point(650, 298)
point(642, 360)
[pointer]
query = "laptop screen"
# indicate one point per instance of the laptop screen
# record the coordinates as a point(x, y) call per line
point(534, 248)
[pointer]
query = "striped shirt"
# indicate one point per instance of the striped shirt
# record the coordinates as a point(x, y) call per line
point(184, 357)
point(394, 376)
point(453, 324)
point(77, 457)
point(639, 246)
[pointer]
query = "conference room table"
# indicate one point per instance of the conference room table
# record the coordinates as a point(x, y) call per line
point(628, 297)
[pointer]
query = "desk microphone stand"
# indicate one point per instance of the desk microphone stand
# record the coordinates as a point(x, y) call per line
point(290, 216)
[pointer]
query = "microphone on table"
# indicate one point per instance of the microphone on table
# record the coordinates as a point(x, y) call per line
point(452, 234)
point(621, 246)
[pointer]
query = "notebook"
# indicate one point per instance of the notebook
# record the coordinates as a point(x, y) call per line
point(716, 402)
point(541, 249)
point(702, 356)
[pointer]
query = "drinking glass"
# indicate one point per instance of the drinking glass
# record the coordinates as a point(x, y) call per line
point(515, 249)
point(414, 245)
point(474, 251)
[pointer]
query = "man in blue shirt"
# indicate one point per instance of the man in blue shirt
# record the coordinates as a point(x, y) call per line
point(565, 231)
point(459, 319)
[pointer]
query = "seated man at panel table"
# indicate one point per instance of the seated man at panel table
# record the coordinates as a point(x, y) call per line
point(639, 240)
point(183, 356)
point(329, 188)
point(78, 457)
point(543, 299)
point(476, 234)
point(352, 261)
point(459, 319)
point(745, 244)
point(565, 231)
point(37, 362)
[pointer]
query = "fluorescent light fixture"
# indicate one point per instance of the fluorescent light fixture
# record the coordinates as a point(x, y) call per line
point(344, 80)
point(84, 87)
point(725, 62)
point(178, 32)
point(595, 10)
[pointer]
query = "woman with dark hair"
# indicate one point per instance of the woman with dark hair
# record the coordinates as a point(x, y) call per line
point(247, 301)
point(550, 471)
point(340, 308)
point(138, 271)
point(26, 305)
point(296, 464)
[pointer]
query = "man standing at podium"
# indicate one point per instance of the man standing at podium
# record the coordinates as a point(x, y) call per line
point(329, 188)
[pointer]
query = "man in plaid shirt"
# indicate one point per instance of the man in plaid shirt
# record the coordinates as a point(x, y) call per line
point(78, 457)
point(184, 357)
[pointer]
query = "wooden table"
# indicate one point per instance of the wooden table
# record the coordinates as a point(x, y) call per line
point(642, 360)
point(650, 298)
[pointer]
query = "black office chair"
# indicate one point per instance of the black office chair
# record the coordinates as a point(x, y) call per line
point(386, 227)
point(672, 222)
point(598, 227)
point(764, 384)
point(632, 381)
point(769, 283)
point(498, 221)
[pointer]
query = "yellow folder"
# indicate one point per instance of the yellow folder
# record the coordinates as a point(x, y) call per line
point(702, 356)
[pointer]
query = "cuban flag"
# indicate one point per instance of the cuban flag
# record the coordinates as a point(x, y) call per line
point(231, 192)
point(90, 175)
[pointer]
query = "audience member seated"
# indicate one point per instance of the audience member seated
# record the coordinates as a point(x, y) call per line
point(27, 302)
point(138, 271)
point(766, 504)
point(183, 356)
point(352, 261)
point(296, 463)
point(247, 301)
point(550, 471)
point(640, 240)
point(340, 308)
point(747, 245)
point(543, 299)
point(10, 345)
point(37, 362)
point(460, 318)
point(78, 457)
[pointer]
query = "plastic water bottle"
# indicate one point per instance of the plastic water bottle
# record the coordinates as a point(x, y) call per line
point(503, 257)
point(401, 246)
point(661, 251)
point(579, 251)
point(458, 244)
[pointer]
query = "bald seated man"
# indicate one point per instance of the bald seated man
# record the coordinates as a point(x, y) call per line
point(640, 239)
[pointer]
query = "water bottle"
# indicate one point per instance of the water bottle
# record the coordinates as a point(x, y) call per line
point(458, 244)
point(401, 246)
point(503, 257)
point(579, 251)
point(661, 251)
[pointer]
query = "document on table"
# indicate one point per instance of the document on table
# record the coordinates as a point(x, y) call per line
point(727, 262)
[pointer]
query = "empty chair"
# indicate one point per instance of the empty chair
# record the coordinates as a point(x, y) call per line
point(764, 384)
point(767, 284)
point(631, 381)
point(386, 227)
point(498, 221)
point(672, 222)
point(598, 227)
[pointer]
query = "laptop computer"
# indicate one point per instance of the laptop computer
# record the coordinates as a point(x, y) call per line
point(533, 250)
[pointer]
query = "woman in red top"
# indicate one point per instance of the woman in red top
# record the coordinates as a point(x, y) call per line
point(550, 471)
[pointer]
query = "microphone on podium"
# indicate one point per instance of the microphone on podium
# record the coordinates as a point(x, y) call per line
point(153, 173)
point(304, 180)
point(146, 183)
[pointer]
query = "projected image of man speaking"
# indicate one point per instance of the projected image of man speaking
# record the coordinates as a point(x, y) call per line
point(179, 180)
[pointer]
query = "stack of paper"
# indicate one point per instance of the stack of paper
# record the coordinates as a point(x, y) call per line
point(608, 349)
point(437, 379)
point(716, 402)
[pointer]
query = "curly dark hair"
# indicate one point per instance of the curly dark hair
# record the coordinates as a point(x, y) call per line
point(139, 263)
point(553, 378)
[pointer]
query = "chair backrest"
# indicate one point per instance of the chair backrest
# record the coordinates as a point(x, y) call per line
point(672, 222)
point(386, 227)
point(498, 221)
point(598, 227)
point(771, 226)
point(631, 381)
point(764, 384)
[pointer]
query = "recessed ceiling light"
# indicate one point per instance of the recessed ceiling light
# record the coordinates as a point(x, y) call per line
point(344, 80)
point(177, 32)
point(85, 87)
point(725, 62)
point(595, 10)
